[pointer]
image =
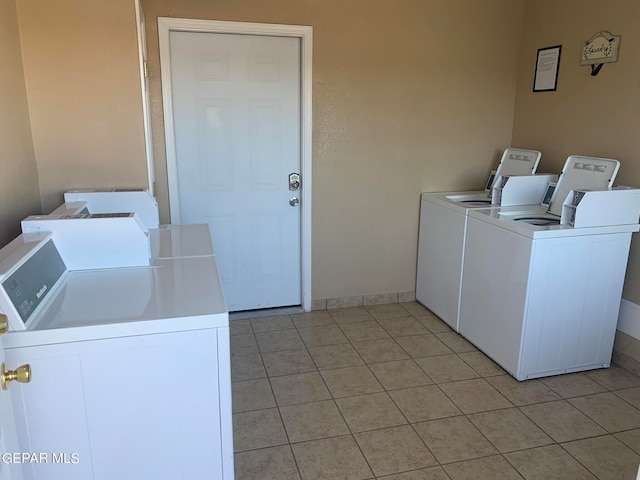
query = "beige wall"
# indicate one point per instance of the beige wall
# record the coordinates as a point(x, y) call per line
point(598, 116)
point(19, 195)
point(83, 87)
point(408, 96)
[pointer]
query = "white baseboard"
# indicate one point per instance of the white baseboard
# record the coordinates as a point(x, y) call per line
point(629, 318)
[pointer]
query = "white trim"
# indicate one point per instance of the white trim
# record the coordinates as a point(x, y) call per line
point(305, 34)
point(629, 318)
point(144, 92)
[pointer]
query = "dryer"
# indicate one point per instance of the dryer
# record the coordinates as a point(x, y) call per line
point(114, 200)
point(443, 220)
point(540, 293)
point(165, 241)
point(100, 240)
point(131, 366)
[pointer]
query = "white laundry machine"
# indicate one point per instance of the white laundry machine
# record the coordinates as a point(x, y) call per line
point(101, 240)
point(540, 296)
point(443, 220)
point(514, 162)
point(165, 241)
point(89, 241)
point(115, 200)
point(130, 366)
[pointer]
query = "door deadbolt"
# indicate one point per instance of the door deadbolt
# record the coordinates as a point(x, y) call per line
point(294, 181)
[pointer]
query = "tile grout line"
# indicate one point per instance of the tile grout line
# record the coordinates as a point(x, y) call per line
point(385, 390)
point(333, 399)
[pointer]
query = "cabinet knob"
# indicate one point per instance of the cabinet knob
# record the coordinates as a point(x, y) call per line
point(21, 374)
point(4, 324)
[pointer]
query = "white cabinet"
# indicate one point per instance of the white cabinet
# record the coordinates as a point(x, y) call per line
point(152, 406)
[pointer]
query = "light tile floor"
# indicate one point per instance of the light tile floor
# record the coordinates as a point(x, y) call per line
point(391, 392)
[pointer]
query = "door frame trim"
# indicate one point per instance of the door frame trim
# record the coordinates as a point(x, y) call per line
point(305, 34)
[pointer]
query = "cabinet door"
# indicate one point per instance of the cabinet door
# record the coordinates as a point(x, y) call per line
point(129, 408)
point(50, 413)
point(9, 470)
point(152, 407)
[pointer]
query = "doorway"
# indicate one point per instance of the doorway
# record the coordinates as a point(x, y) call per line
point(237, 110)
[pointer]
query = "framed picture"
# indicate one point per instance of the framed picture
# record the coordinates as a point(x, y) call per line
point(547, 66)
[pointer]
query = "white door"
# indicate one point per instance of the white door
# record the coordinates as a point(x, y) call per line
point(237, 116)
point(8, 436)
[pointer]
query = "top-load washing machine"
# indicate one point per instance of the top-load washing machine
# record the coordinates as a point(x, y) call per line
point(541, 288)
point(443, 220)
point(131, 366)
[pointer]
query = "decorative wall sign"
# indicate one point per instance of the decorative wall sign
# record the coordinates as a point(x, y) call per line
point(600, 49)
point(547, 66)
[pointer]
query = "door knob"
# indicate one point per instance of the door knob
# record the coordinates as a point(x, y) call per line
point(4, 324)
point(21, 374)
point(293, 201)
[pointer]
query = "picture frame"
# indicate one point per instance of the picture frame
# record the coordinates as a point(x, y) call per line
point(547, 68)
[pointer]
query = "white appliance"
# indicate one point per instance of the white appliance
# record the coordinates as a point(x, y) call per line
point(165, 241)
point(130, 366)
point(541, 296)
point(109, 240)
point(116, 200)
point(514, 162)
point(443, 220)
point(89, 241)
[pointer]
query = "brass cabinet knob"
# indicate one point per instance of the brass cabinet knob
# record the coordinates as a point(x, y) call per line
point(4, 324)
point(21, 374)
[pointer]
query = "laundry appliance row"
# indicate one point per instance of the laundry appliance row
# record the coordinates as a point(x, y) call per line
point(165, 240)
point(537, 288)
point(443, 223)
point(130, 359)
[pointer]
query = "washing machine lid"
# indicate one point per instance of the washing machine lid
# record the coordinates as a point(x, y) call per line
point(517, 161)
point(583, 173)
